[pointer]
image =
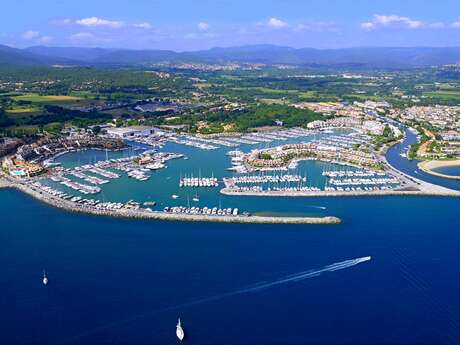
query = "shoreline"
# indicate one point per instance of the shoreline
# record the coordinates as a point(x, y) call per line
point(158, 215)
point(428, 166)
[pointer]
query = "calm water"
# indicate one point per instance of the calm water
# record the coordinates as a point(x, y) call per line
point(453, 171)
point(165, 182)
point(410, 167)
point(126, 282)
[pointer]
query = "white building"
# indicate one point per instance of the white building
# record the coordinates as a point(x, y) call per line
point(131, 132)
point(316, 124)
point(373, 127)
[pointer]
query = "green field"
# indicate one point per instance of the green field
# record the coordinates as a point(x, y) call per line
point(231, 77)
point(308, 94)
point(365, 97)
point(265, 90)
point(22, 110)
point(444, 95)
point(82, 94)
point(271, 101)
point(36, 98)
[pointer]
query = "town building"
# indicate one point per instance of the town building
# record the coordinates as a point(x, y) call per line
point(131, 132)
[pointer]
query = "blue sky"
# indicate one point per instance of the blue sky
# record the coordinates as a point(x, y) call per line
point(197, 24)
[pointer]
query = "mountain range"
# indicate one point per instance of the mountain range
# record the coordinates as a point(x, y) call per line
point(360, 57)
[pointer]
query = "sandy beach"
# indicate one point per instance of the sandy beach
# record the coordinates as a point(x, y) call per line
point(429, 166)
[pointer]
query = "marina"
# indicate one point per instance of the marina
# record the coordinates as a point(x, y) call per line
point(125, 184)
point(132, 209)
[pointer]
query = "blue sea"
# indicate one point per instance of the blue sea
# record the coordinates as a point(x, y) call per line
point(115, 281)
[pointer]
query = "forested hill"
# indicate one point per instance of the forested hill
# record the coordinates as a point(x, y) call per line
point(266, 54)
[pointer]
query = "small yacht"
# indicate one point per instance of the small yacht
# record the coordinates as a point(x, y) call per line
point(174, 196)
point(45, 279)
point(179, 331)
point(196, 198)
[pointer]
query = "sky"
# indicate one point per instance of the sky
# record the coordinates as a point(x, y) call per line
point(184, 25)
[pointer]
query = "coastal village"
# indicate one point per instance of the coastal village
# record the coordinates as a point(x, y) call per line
point(279, 144)
point(346, 143)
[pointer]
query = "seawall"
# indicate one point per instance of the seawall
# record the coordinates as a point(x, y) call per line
point(156, 215)
point(434, 192)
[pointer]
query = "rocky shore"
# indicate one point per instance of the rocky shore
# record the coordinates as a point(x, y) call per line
point(145, 214)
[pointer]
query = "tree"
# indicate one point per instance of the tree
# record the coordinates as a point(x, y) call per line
point(96, 130)
point(265, 156)
point(387, 132)
point(5, 121)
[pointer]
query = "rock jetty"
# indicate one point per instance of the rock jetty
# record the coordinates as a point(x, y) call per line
point(156, 215)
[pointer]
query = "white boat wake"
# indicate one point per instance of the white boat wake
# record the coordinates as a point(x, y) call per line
point(320, 207)
point(292, 278)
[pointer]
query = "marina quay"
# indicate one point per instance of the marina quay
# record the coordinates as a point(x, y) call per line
point(132, 209)
point(84, 178)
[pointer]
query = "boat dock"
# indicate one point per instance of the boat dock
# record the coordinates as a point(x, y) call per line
point(198, 182)
point(141, 213)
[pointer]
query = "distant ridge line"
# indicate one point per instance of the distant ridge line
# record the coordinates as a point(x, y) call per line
point(367, 57)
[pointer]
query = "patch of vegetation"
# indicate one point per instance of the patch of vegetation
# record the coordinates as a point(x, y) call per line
point(36, 98)
point(265, 156)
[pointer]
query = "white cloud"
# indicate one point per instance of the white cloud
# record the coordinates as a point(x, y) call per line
point(315, 26)
point(45, 39)
point(95, 22)
point(35, 36)
point(200, 36)
point(368, 26)
point(30, 35)
point(381, 21)
point(91, 39)
point(276, 23)
point(203, 26)
point(146, 26)
point(456, 24)
point(82, 36)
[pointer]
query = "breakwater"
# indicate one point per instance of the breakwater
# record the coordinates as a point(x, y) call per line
point(155, 215)
point(429, 190)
